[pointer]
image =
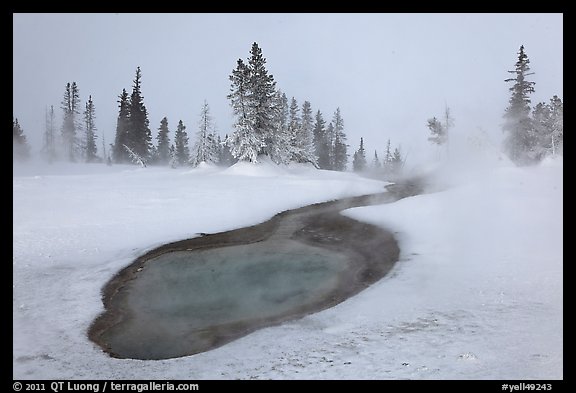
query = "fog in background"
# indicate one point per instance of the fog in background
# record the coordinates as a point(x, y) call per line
point(388, 73)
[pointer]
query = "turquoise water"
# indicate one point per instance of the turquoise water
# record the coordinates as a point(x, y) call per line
point(184, 302)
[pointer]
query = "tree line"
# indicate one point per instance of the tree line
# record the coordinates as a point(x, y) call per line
point(267, 125)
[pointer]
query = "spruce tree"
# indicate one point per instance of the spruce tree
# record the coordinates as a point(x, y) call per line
point(90, 129)
point(294, 130)
point(181, 151)
point(339, 148)
point(262, 90)
point(340, 153)
point(321, 142)
point(70, 107)
point(163, 150)
point(387, 162)
point(20, 148)
point(548, 128)
point(244, 143)
point(255, 103)
point(305, 138)
point(396, 161)
point(139, 134)
point(205, 148)
point(520, 140)
point(119, 153)
point(359, 162)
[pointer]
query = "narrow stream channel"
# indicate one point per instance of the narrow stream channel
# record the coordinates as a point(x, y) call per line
point(197, 294)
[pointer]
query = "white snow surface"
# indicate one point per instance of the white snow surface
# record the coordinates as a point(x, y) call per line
point(477, 293)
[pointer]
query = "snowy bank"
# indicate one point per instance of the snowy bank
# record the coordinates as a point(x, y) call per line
point(478, 292)
point(75, 226)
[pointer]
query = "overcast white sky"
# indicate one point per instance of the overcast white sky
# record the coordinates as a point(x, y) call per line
point(388, 73)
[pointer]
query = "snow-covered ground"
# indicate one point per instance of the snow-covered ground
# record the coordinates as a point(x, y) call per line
point(477, 292)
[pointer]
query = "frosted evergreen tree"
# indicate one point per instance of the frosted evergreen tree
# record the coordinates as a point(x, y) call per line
point(396, 161)
point(387, 162)
point(20, 147)
point(206, 147)
point(263, 93)
point(90, 131)
point(163, 149)
point(440, 131)
point(547, 122)
point(71, 108)
point(294, 130)
point(330, 142)
point(321, 143)
point(339, 148)
point(340, 153)
point(119, 153)
point(305, 137)
point(556, 125)
point(226, 159)
point(244, 143)
point(359, 162)
point(520, 140)
point(376, 164)
point(49, 146)
point(182, 152)
point(283, 112)
point(255, 104)
point(437, 130)
point(139, 135)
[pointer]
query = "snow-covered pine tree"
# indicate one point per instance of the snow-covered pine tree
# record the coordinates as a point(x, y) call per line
point(206, 148)
point(557, 125)
point(396, 162)
point(70, 107)
point(283, 113)
point(359, 162)
point(49, 147)
point(376, 164)
point(547, 123)
point(437, 130)
point(20, 147)
point(226, 159)
point(387, 162)
point(340, 155)
point(320, 142)
point(279, 143)
point(181, 152)
point(294, 124)
point(163, 149)
point(305, 137)
point(255, 103)
point(262, 89)
point(90, 130)
point(520, 140)
point(139, 134)
point(440, 131)
point(244, 143)
point(119, 153)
